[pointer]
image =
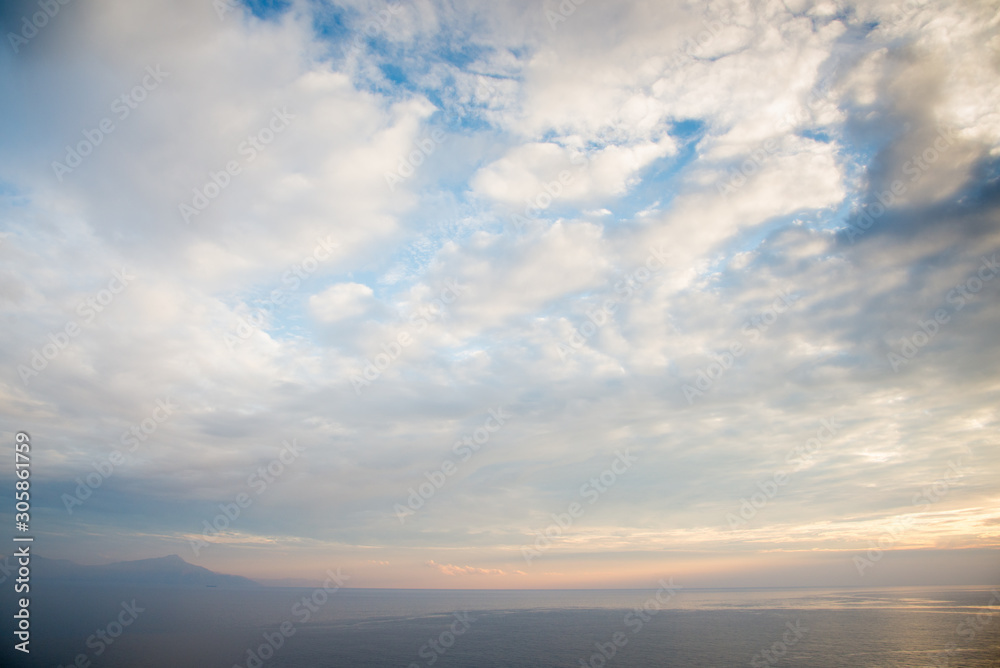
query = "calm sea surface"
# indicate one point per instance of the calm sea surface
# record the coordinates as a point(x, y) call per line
point(195, 628)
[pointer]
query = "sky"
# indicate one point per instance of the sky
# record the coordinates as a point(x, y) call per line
point(507, 295)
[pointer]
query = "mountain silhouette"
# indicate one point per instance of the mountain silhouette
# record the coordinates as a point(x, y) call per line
point(169, 570)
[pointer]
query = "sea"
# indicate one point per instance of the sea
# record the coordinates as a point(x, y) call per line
point(172, 627)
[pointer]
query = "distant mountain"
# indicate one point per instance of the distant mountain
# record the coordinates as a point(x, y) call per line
point(170, 570)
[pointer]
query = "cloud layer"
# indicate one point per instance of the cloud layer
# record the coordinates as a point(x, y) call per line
point(462, 257)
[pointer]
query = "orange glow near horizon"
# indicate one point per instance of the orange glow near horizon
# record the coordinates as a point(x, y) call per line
point(638, 571)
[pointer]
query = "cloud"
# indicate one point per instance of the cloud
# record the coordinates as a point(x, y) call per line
point(451, 569)
point(341, 301)
point(747, 149)
point(531, 172)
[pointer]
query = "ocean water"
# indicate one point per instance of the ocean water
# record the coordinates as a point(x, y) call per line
point(222, 628)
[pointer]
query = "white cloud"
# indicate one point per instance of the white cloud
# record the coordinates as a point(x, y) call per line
point(341, 302)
